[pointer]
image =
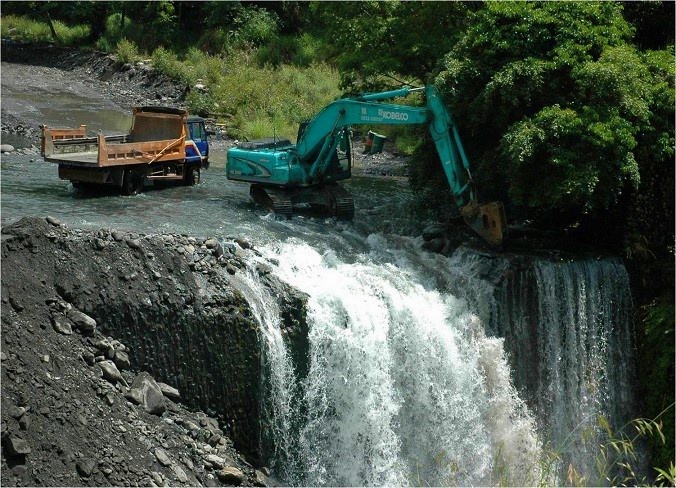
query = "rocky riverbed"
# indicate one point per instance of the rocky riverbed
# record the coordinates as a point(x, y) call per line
point(129, 359)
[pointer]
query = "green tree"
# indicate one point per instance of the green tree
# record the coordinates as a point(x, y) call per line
point(371, 39)
point(556, 107)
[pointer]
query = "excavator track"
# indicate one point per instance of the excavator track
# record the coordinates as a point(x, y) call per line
point(278, 201)
point(341, 202)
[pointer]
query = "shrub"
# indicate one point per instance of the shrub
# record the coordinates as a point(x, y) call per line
point(215, 41)
point(200, 103)
point(407, 143)
point(103, 45)
point(279, 50)
point(166, 62)
point(254, 26)
point(71, 35)
point(127, 51)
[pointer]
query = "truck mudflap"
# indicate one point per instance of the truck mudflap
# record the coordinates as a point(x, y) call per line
point(488, 220)
point(85, 175)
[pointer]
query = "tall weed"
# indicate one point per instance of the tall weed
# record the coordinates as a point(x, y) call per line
point(25, 29)
point(126, 50)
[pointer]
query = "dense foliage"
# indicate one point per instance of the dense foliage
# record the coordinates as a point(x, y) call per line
point(554, 102)
point(566, 109)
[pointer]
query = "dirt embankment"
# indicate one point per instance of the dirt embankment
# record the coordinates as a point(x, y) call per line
point(125, 84)
point(129, 84)
point(113, 346)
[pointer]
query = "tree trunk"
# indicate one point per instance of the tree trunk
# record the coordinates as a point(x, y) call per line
point(52, 28)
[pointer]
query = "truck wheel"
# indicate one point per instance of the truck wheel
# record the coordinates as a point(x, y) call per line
point(192, 176)
point(133, 182)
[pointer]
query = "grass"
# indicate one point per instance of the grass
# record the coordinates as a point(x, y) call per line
point(260, 99)
point(24, 29)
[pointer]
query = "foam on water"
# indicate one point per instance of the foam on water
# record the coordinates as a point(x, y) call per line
point(404, 388)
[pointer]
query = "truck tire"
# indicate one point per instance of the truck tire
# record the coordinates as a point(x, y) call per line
point(133, 182)
point(192, 175)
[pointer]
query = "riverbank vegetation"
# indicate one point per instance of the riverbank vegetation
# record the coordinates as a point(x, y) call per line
point(566, 109)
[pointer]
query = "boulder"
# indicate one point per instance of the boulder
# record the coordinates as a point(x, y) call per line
point(110, 372)
point(6, 148)
point(62, 325)
point(122, 360)
point(230, 475)
point(243, 243)
point(83, 322)
point(145, 388)
point(85, 466)
point(216, 461)
point(16, 446)
point(435, 245)
point(162, 457)
point(53, 221)
point(169, 391)
point(433, 231)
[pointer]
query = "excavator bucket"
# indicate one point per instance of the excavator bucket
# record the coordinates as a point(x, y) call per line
point(488, 220)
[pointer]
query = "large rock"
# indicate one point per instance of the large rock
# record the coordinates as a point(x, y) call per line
point(435, 245)
point(6, 148)
point(433, 231)
point(230, 475)
point(83, 322)
point(169, 391)
point(122, 360)
point(146, 390)
point(216, 461)
point(16, 446)
point(110, 372)
point(62, 325)
point(85, 467)
point(162, 457)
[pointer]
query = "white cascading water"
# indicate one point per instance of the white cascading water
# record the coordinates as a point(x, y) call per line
point(567, 328)
point(279, 382)
point(584, 352)
point(404, 388)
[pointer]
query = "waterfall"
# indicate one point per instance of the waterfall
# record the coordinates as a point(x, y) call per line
point(480, 369)
point(278, 408)
point(567, 330)
point(581, 353)
point(403, 388)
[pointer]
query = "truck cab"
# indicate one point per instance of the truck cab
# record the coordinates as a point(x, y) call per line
point(197, 145)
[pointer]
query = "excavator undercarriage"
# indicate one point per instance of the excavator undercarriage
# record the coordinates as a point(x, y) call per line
point(336, 200)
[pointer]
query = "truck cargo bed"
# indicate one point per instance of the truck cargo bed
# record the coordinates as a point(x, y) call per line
point(157, 135)
point(90, 158)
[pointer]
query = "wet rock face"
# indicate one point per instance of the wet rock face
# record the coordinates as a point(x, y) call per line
point(101, 316)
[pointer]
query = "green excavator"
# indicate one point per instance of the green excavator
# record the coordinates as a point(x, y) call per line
point(283, 174)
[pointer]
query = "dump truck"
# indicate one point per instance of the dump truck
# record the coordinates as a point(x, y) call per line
point(163, 145)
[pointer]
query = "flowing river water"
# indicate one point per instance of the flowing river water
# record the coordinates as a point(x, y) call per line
point(423, 369)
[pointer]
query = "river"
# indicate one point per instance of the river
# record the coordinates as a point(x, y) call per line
point(422, 369)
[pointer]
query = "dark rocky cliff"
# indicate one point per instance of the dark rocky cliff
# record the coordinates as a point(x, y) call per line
point(75, 302)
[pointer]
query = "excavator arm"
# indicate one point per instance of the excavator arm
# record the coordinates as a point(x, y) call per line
point(318, 142)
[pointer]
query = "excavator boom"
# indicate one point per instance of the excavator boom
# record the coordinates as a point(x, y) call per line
point(308, 171)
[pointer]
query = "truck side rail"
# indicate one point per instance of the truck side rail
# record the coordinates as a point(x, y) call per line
point(140, 152)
